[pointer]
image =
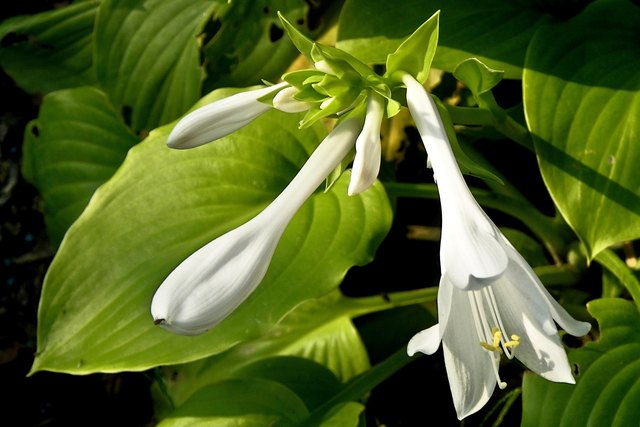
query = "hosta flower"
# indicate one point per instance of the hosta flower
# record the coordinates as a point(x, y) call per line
point(490, 302)
point(220, 118)
point(212, 282)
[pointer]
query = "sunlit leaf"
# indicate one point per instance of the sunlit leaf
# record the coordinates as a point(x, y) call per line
point(320, 330)
point(607, 370)
point(495, 31)
point(74, 146)
point(147, 57)
point(239, 403)
point(582, 103)
point(163, 204)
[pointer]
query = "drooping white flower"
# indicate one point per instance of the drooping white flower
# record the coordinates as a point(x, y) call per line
point(212, 282)
point(489, 301)
point(366, 163)
point(220, 118)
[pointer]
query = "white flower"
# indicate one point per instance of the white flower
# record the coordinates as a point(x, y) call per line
point(285, 101)
point(220, 118)
point(366, 164)
point(212, 282)
point(490, 301)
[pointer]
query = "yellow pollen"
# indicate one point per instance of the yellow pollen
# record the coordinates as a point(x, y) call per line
point(497, 337)
point(515, 341)
point(495, 346)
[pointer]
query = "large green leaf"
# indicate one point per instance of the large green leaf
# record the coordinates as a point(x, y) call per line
point(75, 145)
point(582, 103)
point(147, 57)
point(607, 390)
point(495, 31)
point(163, 204)
point(250, 44)
point(240, 403)
point(51, 50)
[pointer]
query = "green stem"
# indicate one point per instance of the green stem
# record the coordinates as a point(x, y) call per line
point(359, 386)
point(551, 232)
point(503, 123)
point(612, 262)
point(365, 305)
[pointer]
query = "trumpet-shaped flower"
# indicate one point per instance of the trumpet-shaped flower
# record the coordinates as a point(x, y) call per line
point(220, 118)
point(212, 282)
point(490, 301)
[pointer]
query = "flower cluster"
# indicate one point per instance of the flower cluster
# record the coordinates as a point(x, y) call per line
point(490, 302)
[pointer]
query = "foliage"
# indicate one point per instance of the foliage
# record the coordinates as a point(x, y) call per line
point(554, 81)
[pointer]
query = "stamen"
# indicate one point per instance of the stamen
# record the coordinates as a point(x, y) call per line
point(495, 346)
point(513, 343)
point(481, 325)
point(493, 304)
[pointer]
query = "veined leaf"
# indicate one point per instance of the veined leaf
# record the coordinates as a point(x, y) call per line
point(582, 104)
point(74, 146)
point(163, 204)
point(147, 57)
point(50, 50)
point(606, 390)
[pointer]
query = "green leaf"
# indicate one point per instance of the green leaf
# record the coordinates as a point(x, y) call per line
point(75, 145)
point(320, 330)
point(311, 381)
point(250, 45)
point(240, 403)
point(495, 31)
point(147, 57)
point(346, 414)
point(466, 163)
point(415, 54)
point(582, 103)
point(303, 43)
point(477, 76)
point(624, 275)
point(162, 205)
point(606, 391)
point(51, 50)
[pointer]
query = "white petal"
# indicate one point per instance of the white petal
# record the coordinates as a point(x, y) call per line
point(212, 282)
point(220, 118)
point(469, 246)
point(366, 164)
point(208, 285)
point(426, 341)
point(559, 314)
point(470, 368)
point(525, 313)
point(546, 355)
point(469, 243)
point(284, 101)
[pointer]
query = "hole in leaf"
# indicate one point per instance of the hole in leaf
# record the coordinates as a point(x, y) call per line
point(12, 39)
point(210, 30)
point(266, 10)
point(35, 131)
point(127, 112)
point(275, 33)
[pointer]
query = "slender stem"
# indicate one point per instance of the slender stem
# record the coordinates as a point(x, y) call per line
point(552, 233)
point(364, 305)
point(357, 387)
point(470, 116)
point(504, 124)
